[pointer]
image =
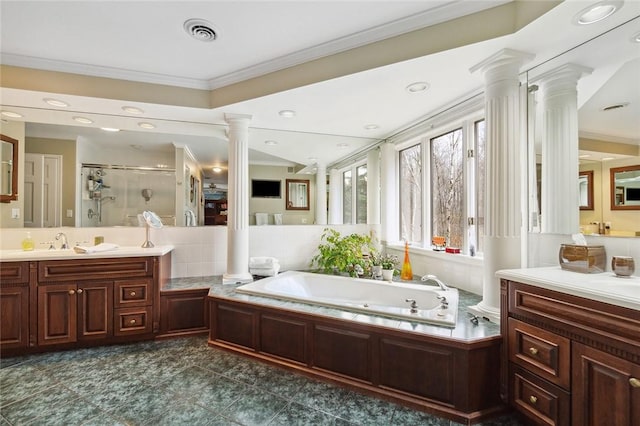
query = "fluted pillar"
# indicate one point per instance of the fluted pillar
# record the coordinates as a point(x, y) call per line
point(389, 228)
point(560, 191)
point(238, 200)
point(321, 195)
point(503, 207)
point(335, 197)
point(373, 187)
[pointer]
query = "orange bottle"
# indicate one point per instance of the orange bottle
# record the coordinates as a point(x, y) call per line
point(405, 272)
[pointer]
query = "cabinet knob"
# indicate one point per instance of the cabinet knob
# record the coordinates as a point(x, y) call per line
point(634, 382)
point(72, 292)
point(132, 322)
point(80, 291)
point(533, 399)
point(132, 294)
point(533, 351)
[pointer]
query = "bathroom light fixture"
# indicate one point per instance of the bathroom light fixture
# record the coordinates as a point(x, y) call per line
point(287, 113)
point(110, 129)
point(83, 120)
point(270, 142)
point(419, 86)
point(216, 169)
point(200, 29)
point(147, 126)
point(132, 110)
point(11, 114)
point(371, 127)
point(597, 12)
point(56, 102)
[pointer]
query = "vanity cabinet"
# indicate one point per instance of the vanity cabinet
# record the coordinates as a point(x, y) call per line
point(14, 305)
point(569, 360)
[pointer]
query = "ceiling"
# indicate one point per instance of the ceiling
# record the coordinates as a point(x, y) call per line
point(145, 42)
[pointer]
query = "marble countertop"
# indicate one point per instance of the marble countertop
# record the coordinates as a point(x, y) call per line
point(70, 254)
point(603, 287)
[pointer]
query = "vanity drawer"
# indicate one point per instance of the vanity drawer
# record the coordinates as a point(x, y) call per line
point(133, 293)
point(132, 321)
point(541, 352)
point(103, 268)
point(14, 272)
point(541, 402)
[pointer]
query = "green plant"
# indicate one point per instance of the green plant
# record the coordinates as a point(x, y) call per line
point(388, 261)
point(342, 253)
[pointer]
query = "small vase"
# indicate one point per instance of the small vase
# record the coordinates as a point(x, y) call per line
point(406, 273)
point(387, 274)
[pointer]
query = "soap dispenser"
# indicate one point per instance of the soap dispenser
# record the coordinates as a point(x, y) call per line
point(27, 243)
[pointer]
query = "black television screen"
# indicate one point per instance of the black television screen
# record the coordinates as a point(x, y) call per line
point(265, 188)
point(633, 194)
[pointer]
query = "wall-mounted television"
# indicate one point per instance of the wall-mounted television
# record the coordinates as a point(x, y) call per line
point(261, 188)
point(633, 194)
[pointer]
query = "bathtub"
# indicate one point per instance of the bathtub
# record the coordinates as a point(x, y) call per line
point(361, 295)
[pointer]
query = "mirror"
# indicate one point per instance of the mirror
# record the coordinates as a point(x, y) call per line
point(9, 168)
point(585, 188)
point(625, 188)
point(297, 196)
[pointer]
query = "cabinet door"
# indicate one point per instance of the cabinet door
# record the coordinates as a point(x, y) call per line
point(14, 317)
point(605, 391)
point(57, 314)
point(95, 310)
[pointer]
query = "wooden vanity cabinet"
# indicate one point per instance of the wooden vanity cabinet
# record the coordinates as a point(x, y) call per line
point(568, 360)
point(14, 305)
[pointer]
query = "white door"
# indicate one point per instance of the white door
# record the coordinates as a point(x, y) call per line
point(42, 190)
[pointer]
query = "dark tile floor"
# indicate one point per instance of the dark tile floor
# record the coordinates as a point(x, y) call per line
point(181, 382)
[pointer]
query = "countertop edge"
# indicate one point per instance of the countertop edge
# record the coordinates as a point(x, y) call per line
point(124, 251)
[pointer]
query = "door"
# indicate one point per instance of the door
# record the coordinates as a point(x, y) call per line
point(606, 389)
point(42, 190)
point(57, 314)
point(14, 317)
point(95, 310)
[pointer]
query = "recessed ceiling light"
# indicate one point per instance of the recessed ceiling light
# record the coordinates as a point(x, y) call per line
point(132, 110)
point(200, 29)
point(270, 142)
point(287, 113)
point(216, 170)
point(110, 129)
point(419, 86)
point(597, 12)
point(11, 114)
point(343, 145)
point(607, 158)
point(56, 102)
point(371, 127)
point(615, 106)
point(636, 37)
point(83, 120)
point(146, 125)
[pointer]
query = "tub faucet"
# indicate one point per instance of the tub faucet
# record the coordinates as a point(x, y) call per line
point(444, 303)
point(436, 280)
point(414, 305)
point(63, 237)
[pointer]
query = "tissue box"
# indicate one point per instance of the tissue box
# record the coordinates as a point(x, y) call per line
point(584, 259)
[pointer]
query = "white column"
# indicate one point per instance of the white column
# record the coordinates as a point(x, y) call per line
point(373, 187)
point(321, 195)
point(560, 192)
point(335, 197)
point(503, 207)
point(238, 200)
point(389, 222)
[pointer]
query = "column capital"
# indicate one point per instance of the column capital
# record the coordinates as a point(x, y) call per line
point(567, 73)
point(503, 58)
point(229, 118)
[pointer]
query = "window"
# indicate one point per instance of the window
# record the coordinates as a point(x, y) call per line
point(361, 194)
point(347, 196)
point(411, 194)
point(480, 174)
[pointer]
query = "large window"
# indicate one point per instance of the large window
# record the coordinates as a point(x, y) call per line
point(479, 135)
point(354, 194)
point(411, 194)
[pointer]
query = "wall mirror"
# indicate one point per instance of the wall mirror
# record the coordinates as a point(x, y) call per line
point(297, 194)
point(9, 169)
point(625, 188)
point(585, 188)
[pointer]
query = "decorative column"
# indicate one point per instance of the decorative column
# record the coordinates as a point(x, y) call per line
point(503, 192)
point(373, 187)
point(238, 200)
point(389, 221)
point(335, 195)
point(560, 192)
point(321, 194)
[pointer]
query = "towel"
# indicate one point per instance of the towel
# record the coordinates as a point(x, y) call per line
point(263, 262)
point(96, 249)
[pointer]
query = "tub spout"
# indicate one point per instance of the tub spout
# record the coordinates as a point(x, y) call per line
point(436, 280)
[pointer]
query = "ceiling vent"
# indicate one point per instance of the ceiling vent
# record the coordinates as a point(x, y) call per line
point(616, 106)
point(200, 29)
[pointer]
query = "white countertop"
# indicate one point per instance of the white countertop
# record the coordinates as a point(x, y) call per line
point(130, 251)
point(603, 287)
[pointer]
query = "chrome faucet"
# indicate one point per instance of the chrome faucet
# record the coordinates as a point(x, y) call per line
point(414, 305)
point(65, 244)
point(444, 303)
point(436, 280)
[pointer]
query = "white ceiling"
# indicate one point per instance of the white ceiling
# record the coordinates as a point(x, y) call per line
point(144, 41)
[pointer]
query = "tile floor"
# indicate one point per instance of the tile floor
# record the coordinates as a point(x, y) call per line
point(181, 382)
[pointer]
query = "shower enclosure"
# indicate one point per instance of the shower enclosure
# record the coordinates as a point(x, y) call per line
point(116, 195)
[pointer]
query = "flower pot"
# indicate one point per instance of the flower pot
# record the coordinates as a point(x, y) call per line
point(387, 274)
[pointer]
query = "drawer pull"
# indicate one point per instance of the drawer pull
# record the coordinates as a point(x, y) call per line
point(132, 322)
point(132, 294)
point(533, 351)
point(634, 382)
point(79, 291)
point(533, 399)
point(72, 292)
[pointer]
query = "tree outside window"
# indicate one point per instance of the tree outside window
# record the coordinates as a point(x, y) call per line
point(411, 194)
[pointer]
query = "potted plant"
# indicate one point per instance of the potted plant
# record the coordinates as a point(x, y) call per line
point(341, 254)
point(389, 262)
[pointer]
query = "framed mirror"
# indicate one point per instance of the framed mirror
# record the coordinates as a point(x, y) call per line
point(625, 188)
point(9, 168)
point(585, 189)
point(297, 194)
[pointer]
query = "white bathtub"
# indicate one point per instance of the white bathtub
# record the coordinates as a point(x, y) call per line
point(360, 295)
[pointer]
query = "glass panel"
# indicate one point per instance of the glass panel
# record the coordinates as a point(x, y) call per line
point(480, 183)
point(347, 207)
point(361, 194)
point(447, 188)
point(411, 194)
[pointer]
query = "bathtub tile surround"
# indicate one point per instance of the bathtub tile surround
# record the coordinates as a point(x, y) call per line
point(197, 385)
